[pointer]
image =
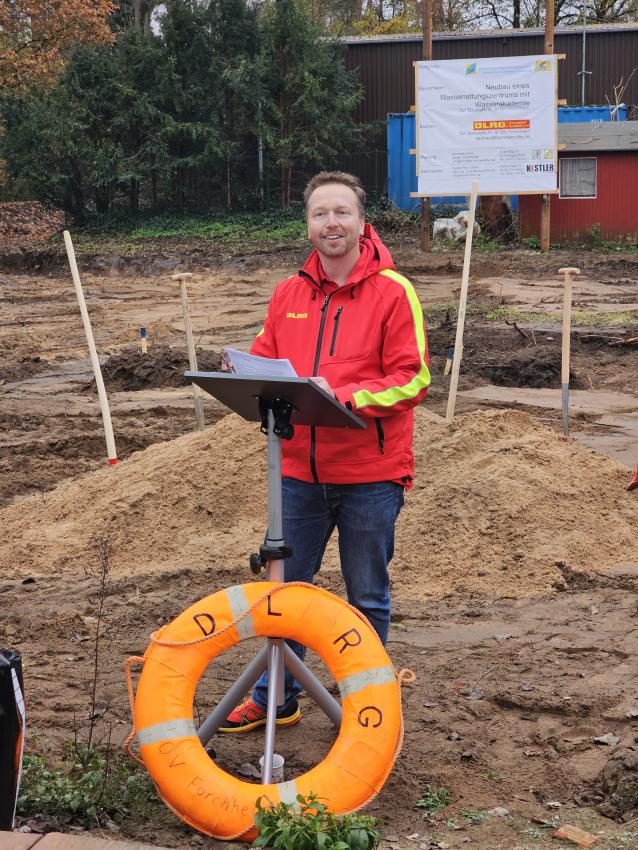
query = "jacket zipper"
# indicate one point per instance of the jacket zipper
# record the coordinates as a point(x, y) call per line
point(334, 333)
point(380, 435)
point(313, 435)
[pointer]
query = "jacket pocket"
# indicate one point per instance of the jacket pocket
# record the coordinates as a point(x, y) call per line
point(333, 341)
point(380, 435)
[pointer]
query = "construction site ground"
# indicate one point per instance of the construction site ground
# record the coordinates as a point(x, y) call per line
point(516, 566)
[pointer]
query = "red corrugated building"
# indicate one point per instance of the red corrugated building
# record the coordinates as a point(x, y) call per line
point(598, 180)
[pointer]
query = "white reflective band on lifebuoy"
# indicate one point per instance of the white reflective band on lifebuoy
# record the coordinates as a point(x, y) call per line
point(239, 605)
point(165, 731)
point(358, 681)
point(288, 792)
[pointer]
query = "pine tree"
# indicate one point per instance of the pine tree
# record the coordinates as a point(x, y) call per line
point(310, 95)
point(236, 64)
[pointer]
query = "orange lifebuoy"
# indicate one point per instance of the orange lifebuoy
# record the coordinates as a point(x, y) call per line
point(368, 742)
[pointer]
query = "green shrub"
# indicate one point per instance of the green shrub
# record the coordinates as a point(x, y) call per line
point(85, 786)
point(310, 826)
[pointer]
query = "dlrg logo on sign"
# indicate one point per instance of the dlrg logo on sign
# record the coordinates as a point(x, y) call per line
point(511, 124)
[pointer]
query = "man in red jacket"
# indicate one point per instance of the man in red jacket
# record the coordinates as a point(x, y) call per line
point(355, 325)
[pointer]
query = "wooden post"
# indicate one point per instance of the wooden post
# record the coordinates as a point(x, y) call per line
point(182, 277)
point(460, 323)
point(427, 55)
point(567, 330)
point(97, 371)
point(547, 199)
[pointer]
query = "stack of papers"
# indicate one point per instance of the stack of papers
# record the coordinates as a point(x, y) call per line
point(250, 365)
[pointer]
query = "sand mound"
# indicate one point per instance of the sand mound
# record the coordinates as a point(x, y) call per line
point(498, 502)
point(502, 499)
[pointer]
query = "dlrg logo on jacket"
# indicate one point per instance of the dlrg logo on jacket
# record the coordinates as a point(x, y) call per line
point(296, 315)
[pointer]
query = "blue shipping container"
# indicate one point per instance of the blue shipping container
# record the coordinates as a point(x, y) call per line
point(595, 114)
point(401, 132)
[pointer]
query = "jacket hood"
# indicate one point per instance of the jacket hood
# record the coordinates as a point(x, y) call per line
point(374, 257)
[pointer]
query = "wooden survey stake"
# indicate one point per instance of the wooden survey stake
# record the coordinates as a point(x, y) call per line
point(182, 277)
point(95, 363)
point(458, 344)
point(568, 274)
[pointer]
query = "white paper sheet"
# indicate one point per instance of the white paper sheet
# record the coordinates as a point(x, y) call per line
point(250, 365)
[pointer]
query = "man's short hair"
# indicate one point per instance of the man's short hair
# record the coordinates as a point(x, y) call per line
point(343, 177)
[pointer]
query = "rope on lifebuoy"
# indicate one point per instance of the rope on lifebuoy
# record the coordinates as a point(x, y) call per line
point(134, 659)
point(406, 676)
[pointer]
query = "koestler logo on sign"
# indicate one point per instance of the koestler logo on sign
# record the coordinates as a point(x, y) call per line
point(486, 121)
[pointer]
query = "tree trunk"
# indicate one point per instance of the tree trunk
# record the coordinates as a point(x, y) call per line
point(229, 184)
point(134, 194)
point(102, 200)
point(142, 14)
point(284, 204)
point(284, 163)
point(516, 16)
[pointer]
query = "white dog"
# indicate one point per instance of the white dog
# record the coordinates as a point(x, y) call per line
point(454, 228)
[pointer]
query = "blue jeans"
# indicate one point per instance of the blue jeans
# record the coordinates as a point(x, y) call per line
point(365, 516)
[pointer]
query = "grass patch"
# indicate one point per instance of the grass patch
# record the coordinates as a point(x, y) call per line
point(127, 234)
point(473, 816)
point(583, 318)
point(434, 800)
point(483, 242)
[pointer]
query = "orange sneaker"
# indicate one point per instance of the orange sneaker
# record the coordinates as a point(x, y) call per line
point(249, 716)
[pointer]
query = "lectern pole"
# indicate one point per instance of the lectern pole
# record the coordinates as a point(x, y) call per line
point(275, 534)
point(278, 399)
point(274, 539)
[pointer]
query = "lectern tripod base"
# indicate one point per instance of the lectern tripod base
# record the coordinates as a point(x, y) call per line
point(276, 655)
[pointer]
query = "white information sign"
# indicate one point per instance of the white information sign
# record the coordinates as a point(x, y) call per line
point(492, 120)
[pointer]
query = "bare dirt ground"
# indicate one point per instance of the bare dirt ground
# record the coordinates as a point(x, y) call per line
point(516, 570)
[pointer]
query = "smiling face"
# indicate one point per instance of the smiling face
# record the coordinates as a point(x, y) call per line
point(335, 221)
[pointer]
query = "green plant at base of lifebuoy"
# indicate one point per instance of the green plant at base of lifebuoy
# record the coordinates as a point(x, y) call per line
point(308, 825)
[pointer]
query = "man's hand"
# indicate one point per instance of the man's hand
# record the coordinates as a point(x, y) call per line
point(225, 363)
point(321, 382)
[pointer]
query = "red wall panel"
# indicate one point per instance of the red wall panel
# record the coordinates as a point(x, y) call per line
point(614, 210)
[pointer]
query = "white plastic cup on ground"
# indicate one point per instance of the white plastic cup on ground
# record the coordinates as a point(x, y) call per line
point(277, 767)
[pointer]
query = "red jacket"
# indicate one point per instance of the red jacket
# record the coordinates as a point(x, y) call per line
point(367, 338)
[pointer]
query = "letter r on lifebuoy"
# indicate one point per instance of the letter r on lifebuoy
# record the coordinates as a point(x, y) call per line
point(349, 638)
point(206, 623)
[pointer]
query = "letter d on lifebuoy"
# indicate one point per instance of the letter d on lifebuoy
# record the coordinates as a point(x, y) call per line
point(206, 623)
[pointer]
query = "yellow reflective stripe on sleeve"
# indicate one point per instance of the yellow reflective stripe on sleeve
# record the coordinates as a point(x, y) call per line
point(263, 327)
point(393, 395)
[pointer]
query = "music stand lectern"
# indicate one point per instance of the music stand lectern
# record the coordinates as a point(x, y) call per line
point(279, 404)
